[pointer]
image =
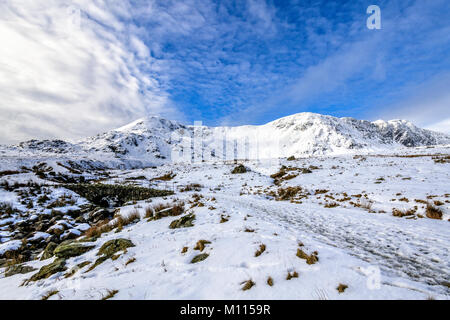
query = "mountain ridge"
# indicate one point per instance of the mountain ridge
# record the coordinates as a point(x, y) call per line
point(155, 140)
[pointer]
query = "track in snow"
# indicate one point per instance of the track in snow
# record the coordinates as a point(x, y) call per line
point(403, 248)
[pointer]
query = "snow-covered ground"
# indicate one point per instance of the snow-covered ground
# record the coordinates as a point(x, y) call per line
point(343, 212)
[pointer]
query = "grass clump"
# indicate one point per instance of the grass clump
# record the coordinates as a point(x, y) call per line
point(49, 294)
point(433, 213)
point(288, 193)
point(130, 261)
point(341, 288)
point(402, 213)
point(270, 281)
point(247, 285)
point(239, 169)
point(191, 187)
point(110, 294)
point(201, 245)
point(166, 177)
point(310, 259)
point(292, 275)
point(122, 221)
point(159, 211)
point(260, 251)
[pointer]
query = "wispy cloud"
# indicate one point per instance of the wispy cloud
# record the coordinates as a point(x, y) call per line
point(68, 75)
point(223, 62)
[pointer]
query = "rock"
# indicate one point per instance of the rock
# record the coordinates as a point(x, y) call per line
point(239, 169)
point(183, 222)
point(70, 234)
point(99, 214)
point(80, 219)
point(199, 257)
point(48, 251)
point(18, 269)
point(108, 250)
point(58, 265)
point(110, 247)
point(71, 250)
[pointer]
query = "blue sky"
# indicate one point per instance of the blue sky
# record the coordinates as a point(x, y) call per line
point(221, 62)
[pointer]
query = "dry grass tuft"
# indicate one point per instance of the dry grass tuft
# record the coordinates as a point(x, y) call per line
point(110, 294)
point(403, 213)
point(261, 249)
point(49, 294)
point(166, 177)
point(433, 213)
point(290, 275)
point(159, 211)
point(200, 245)
point(310, 259)
point(247, 285)
point(270, 281)
point(130, 261)
point(341, 287)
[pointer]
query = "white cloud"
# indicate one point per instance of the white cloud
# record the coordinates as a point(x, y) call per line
point(62, 79)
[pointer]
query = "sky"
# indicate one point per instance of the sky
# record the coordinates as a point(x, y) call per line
point(72, 69)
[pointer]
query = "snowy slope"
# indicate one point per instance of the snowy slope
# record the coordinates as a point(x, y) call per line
point(375, 254)
point(154, 141)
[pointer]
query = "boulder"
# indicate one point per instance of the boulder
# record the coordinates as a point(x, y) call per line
point(56, 266)
point(199, 257)
point(18, 269)
point(71, 250)
point(110, 247)
point(183, 222)
point(48, 251)
point(239, 169)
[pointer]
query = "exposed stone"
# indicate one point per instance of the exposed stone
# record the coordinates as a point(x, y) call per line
point(48, 251)
point(239, 169)
point(58, 265)
point(183, 222)
point(71, 250)
point(18, 269)
point(199, 257)
point(111, 247)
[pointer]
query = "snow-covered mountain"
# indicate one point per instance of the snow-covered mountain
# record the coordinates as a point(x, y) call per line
point(153, 140)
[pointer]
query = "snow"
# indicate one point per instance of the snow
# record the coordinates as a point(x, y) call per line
point(358, 241)
point(12, 245)
point(153, 141)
